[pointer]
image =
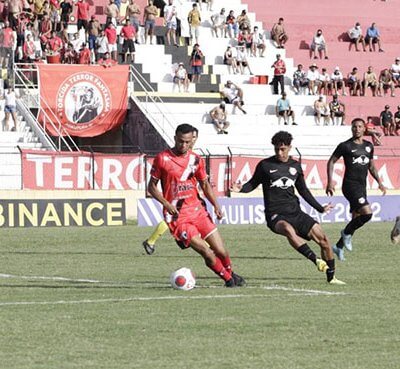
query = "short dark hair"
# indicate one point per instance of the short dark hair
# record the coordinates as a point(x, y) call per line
point(184, 128)
point(195, 130)
point(355, 120)
point(282, 138)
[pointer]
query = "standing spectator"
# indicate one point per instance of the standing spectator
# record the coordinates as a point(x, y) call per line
point(232, 25)
point(76, 42)
point(82, 14)
point(128, 33)
point(299, 79)
point(218, 23)
point(313, 79)
point(181, 78)
point(397, 121)
point(321, 109)
point(241, 60)
point(112, 12)
point(29, 49)
point(10, 108)
point(54, 44)
point(354, 82)
point(258, 42)
point(373, 37)
point(170, 22)
point(230, 60)
point(111, 34)
point(395, 71)
point(338, 110)
point(233, 94)
point(196, 63)
point(278, 34)
point(279, 74)
point(356, 36)
point(194, 20)
point(101, 45)
point(133, 13)
point(370, 80)
point(243, 21)
point(284, 110)
point(66, 10)
point(338, 81)
point(7, 42)
point(318, 46)
point(45, 29)
point(149, 19)
point(219, 118)
point(370, 130)
point(84, 55)
point(386, 121)
point(94, 29)
point(386, 82)
point(324, 82)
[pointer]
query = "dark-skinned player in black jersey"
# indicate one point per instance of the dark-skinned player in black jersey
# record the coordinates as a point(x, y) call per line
point(358, 156)
point(279, 176)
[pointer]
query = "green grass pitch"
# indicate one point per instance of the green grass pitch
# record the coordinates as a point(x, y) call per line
point(90, 298)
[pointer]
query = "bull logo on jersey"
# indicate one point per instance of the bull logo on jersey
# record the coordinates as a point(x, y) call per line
point(362, 160)
point(283, 183)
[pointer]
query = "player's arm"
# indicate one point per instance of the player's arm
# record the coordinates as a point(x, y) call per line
point(308, 196)
point(210, 195)
point(330, 188)
point(153, 191)
point(252, 184)
point(375, 175)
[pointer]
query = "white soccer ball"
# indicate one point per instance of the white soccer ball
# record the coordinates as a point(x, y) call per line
point(183, 279)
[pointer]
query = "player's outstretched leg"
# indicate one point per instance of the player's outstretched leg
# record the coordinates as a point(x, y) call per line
point(149, 244)
point(395, 234)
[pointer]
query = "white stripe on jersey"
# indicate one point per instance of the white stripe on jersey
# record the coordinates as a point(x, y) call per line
point(188, 170)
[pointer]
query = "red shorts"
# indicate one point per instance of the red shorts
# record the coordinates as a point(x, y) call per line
point(183, 230)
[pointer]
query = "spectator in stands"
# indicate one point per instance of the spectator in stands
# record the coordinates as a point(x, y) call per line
point(232, 25)
point(194, 20)
point(84, 55)
point(278, 34)
point(241, 59)
point(218, 23)
point(29, 49)
point(82, 14)
point(171, 22)
point(386, 121)
point(356, 36)
point(395, 71)
point(55, 14)
point(373, 37)
point(70, 55)
point(321, 109)
point(397, 121)
point(370, 130)
point(284, 110)
point(128, 33)
point(246, 38)
point(111, 10)
point(219, 118)
point(370, 80)
point(94, 29)
point(230, 60)
point(324, 82)
point(313, 79)
point(54, 44)
point(318, 46)
point(279, 74)
point(149, 19)
point(111, 34)
point(133, 13)
point(7, 43)
point(299, 79)
point(386, 82)
point(107, 61)
point(66, 10)
point(354, 82)
point(338, 81)
point(101, 45)
point(243, 21)
point(233, 94)
point(258, 43)
point(338, 111)
point(196, 63)
point(10, 108)
point(181, 78)
point(45, 29)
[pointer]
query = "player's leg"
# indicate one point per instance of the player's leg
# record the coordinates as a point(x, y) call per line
point(395, 234)
point(149, 244)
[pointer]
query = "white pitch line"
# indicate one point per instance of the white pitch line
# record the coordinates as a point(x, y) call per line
point(49, 278)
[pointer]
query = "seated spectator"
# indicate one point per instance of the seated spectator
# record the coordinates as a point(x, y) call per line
point(70, 55)
point(373, 37)
point(218, 118)
point(241, 59)
point(278, 34)
point(370, 80)
point(395, 71)
point(54, 44)
point(232, 94)
point(107, 61)
point(244, 21)
point(181, 78)
point(321, 109)
point(324, 82)
point(232, 25)
point(299, 79)
point(313, 79)
point(196, 63)
point(338, 111)
point(386, 83)
point(354, 82)
point(386, 121)
point(84, 55)
point(356, 36)
point(258, 42)
point(218, 23)
point(318, 46)
point(370, 130)
point(397, 121)
point(246, 38)
point(230, 60)
point(284, 110)
point(338, 81)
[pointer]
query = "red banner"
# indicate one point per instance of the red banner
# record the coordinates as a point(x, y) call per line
point(87, 100)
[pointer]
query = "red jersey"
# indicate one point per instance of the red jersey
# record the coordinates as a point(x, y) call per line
point(84, 56)
point(83, 10)
point(8, 37)
point(279, 67)
point(179, 175)
point(128, 32)
point(111, 34)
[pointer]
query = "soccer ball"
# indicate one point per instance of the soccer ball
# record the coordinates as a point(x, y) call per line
point(183, 279)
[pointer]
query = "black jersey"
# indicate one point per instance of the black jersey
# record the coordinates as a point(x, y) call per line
point(279, 180)
point(356, 160)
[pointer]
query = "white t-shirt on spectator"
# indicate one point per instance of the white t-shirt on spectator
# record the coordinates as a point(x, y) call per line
point(312, 76)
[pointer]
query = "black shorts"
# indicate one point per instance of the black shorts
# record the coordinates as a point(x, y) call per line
point(288, 112)
point(355, 194)
point(337, 113)
point(128, 45)
point(300, 221)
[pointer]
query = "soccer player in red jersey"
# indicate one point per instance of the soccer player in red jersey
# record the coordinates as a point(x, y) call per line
point(180, 170)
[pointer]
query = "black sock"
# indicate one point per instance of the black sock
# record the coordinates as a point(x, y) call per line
point(330, 273)
point(340, 243)
point(308, 253)
point(357, 223)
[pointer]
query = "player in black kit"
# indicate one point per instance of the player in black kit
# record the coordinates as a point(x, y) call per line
point(279, 176)
point(358, 159)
